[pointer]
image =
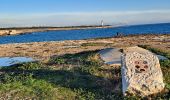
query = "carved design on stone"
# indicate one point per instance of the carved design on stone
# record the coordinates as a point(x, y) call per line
point(141, 74)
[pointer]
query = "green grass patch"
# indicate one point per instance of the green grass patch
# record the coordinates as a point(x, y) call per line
point(24, 86)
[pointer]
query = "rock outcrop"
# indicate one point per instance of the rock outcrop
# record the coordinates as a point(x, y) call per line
point(9, 32)
point(141, 72)
point(4, 32)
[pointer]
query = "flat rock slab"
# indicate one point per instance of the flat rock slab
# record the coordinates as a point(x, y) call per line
point(111, 56)
point(160, 57)
point(141, 72)
point(8, 61)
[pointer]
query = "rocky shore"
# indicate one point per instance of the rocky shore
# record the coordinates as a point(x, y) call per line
point(17, 31)
point(45, 50)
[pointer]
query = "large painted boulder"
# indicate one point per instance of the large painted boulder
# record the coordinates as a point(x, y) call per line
point(141, 72)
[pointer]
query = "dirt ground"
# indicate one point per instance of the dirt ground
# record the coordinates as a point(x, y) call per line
point(44, 50)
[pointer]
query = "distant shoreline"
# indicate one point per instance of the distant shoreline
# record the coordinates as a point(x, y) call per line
point(24, 30)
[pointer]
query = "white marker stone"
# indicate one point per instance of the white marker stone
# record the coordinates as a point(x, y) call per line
point(141, 72)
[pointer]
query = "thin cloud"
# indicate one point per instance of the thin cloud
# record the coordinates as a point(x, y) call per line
point(84, 18)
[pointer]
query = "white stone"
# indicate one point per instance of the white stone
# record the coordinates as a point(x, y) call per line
point(141, 72)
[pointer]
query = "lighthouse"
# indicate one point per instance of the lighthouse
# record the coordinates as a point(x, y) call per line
point(102, 23)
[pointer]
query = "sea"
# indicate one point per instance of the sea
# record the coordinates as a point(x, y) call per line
point(163, 28)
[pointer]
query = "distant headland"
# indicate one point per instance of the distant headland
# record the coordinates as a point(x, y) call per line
point(23, 30)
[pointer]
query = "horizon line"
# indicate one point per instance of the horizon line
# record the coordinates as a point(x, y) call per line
point(116, 25)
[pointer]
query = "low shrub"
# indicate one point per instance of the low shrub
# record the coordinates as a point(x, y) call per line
point(165, 63)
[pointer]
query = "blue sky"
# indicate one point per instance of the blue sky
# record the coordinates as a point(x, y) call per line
point(82, 12)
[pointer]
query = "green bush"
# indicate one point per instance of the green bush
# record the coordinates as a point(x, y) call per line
point(58, 60)
point(31, 66)
point(26, 66)
point(165, 63)
point(84, 94)
point(13, 77)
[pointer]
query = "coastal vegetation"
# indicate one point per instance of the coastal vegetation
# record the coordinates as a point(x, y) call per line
point(72, 76)
point(81, 76)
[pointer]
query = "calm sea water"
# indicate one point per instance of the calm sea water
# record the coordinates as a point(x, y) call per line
point(85, 34)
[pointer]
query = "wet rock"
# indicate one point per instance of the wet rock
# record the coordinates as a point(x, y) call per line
point(141, 72)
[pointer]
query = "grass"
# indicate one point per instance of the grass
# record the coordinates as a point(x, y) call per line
point(165, 63)
point(96, 44)
point(24, 86)
point(81, 76)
